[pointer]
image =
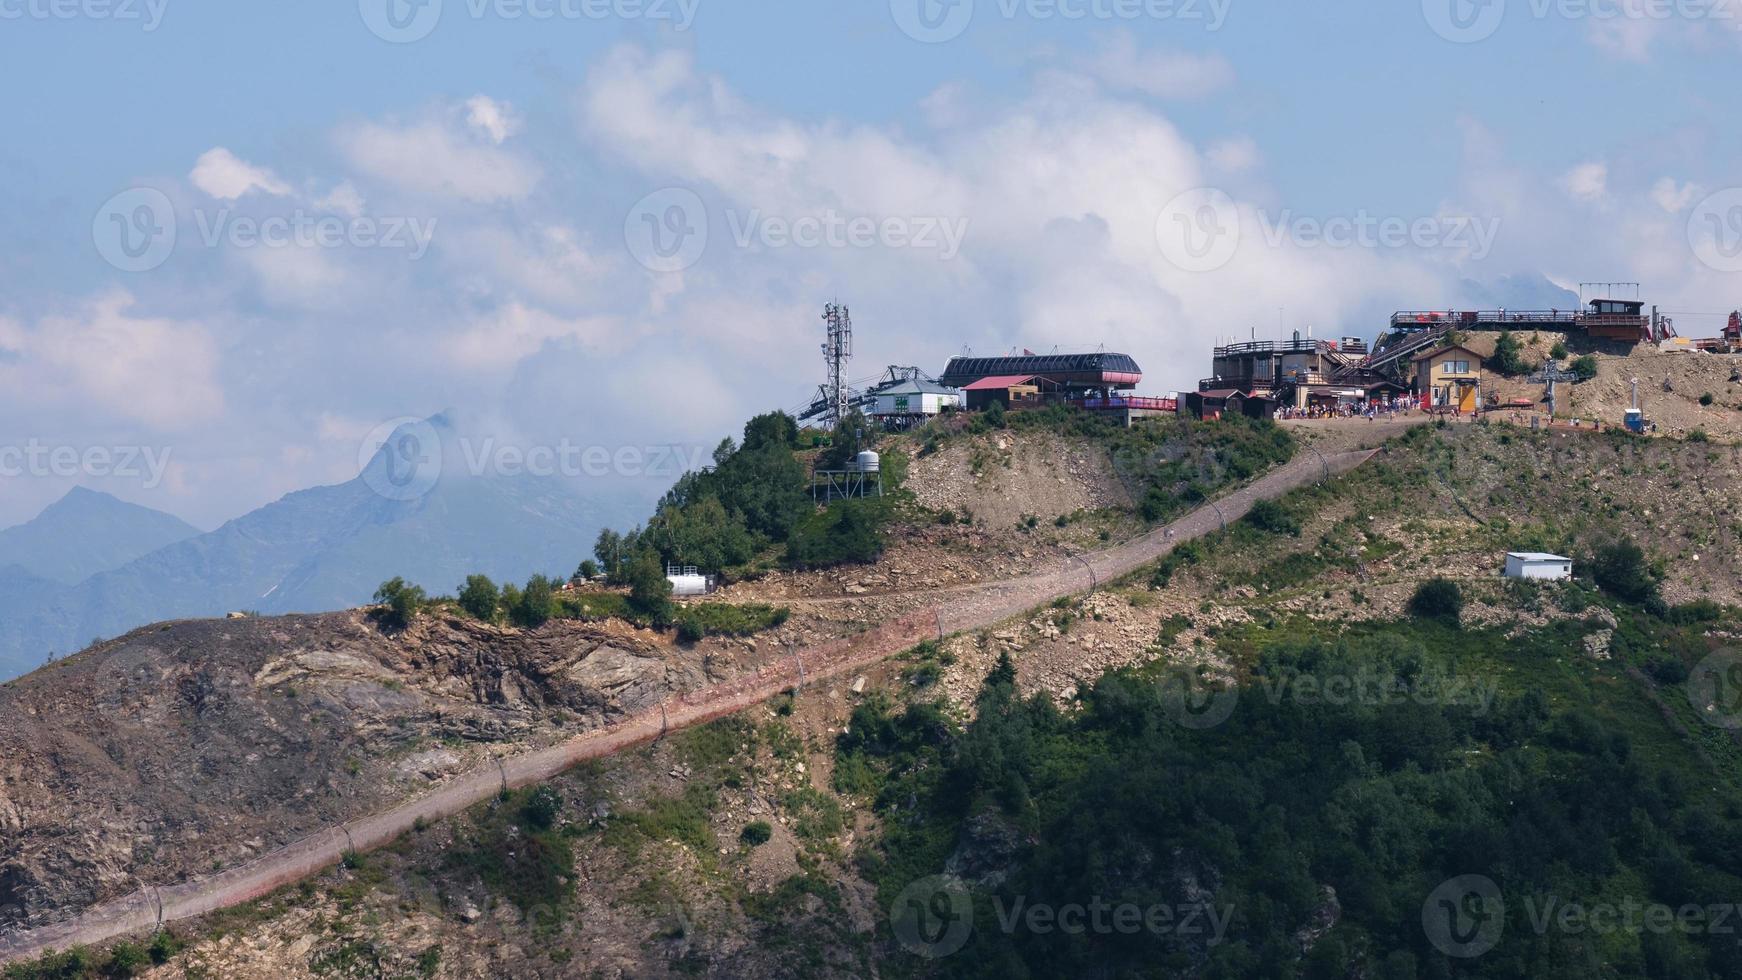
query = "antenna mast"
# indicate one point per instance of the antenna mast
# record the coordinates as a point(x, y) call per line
point(837, 352)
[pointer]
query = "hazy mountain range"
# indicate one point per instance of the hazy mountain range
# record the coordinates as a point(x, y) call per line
point(92, 566)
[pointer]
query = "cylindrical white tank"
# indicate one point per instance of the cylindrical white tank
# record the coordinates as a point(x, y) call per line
point(688, 585)
point(868, 462)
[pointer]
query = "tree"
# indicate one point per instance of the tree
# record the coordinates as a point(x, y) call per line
point(1621, 570)
point(480, 597)
point(702, 534)
point(1270, 516)
point(402, 601)
point(1507, 359)
point(649, 589)
point(609, 550)
point(1584, 368)
point(853, 436)
point(536, 603)
point(995, 415)
point(543, 807)
point(774, 429)
point(1438, 598)
point(588, 571)
point(1558, 351)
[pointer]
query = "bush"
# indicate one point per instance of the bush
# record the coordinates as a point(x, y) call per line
point(588, 571)
point(535, 605)
point(1271, 517)
point(1558, 351)
point(1621, 570)
point(995, 415)
point(1507, 359)
point(649, 589)
point(402, 602)
point(728, 619)
point(543, 807)
point(1438, 598)
point(848, 532)
point(1584, 368)
point(480, 597)
point(1707, 399)
point(757, 834)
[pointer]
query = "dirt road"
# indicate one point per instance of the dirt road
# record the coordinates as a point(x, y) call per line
point(970, 608)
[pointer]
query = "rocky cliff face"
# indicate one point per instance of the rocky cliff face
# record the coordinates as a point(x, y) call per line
point(186, 747)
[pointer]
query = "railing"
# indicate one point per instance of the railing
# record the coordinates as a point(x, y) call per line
point(1132, 401)
point(1306, 346)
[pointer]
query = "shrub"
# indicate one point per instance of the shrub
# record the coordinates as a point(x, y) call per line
point(535, 605)
point(649, 589)
point(126, 960)
point(1584, 368)
point(480, 597)
point(728, 619)
point(848, 532)
point(1558, 351)
point(402, 601)
point(588, 571)
point(995, 415)
point(757, 834)
point(1271, 517)
point(1707, 399)
point(1621, 570)
point(1507, 359)
point(1437, 598)
point(543, 807)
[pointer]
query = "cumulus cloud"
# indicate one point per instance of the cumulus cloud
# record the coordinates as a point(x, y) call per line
point(494, 119)
point(220, 174)
point(1234, 156)
point(441, 156)
point(1588, 182)
point(1164, 73)
point(1671, 196)
point(153, 371)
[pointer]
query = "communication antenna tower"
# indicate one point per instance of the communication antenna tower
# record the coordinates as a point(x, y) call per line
point(837, 352)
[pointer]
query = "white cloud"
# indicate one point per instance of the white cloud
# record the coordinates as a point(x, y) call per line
point(437, 157)
point(343, 199)
point(499, 341)
point(1160, 72)
point(492, 118)
point(1673, 197)
point(1234, 156)
point(220, 174)
point(153, 371)
point(1587, 182)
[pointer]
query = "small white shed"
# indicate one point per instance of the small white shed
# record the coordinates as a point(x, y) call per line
point(1538, 565)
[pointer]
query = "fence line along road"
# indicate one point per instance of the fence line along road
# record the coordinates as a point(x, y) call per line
point(154, 907)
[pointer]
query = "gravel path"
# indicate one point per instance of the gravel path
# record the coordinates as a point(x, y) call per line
point(965, 608)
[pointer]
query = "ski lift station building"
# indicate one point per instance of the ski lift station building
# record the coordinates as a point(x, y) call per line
point(1539, 566)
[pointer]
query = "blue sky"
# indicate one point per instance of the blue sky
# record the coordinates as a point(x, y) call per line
point(1015, 181)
